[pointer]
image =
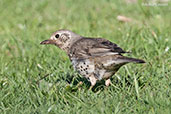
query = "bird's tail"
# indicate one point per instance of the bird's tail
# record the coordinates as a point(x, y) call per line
point(130, 60)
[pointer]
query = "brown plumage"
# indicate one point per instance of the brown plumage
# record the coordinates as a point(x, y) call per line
point(93, 58)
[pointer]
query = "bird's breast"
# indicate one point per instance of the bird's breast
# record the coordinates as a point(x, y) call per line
point(84, 66)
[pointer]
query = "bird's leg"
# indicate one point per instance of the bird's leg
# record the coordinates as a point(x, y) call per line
point(79, 84)
point(107, 82)
point(93, 81)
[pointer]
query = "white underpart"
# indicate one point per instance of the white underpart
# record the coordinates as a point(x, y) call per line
point(101, 74)
point(92, 80)
point(90, 69)
point(74, 63)
point(107, 82)
point(91, 66)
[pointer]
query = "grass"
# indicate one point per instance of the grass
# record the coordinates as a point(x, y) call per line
point(23, 62)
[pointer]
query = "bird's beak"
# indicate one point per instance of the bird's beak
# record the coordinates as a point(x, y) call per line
point(49, 41)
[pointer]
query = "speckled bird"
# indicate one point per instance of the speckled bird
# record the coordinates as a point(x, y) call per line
point(94, 58)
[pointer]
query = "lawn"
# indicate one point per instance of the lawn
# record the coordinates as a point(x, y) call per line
point(39, 79)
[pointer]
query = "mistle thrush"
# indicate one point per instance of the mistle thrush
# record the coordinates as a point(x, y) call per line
point(94, 58)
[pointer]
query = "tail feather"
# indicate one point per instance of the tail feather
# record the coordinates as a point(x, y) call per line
point(128, 60)
point(135, 60)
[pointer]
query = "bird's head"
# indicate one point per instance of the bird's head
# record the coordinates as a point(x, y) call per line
point(62, 39)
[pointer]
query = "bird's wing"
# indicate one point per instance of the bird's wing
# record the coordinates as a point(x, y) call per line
point(92, 47)
point(105, 46)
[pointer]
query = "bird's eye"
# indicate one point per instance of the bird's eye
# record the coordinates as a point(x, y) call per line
point(57, 36)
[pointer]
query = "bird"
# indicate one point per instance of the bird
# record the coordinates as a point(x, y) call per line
point(95, 59)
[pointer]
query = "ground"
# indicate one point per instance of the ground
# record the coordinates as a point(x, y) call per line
point(40, 79)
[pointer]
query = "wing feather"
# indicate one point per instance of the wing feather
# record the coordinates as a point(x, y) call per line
point(92, 47)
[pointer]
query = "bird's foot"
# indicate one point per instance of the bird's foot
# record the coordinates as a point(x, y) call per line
point(93, 81)
point(107, 82)
point(79, 84)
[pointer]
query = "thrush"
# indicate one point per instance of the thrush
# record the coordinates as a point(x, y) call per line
point(93, 58)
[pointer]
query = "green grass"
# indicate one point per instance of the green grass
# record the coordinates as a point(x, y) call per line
point(23, 62)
